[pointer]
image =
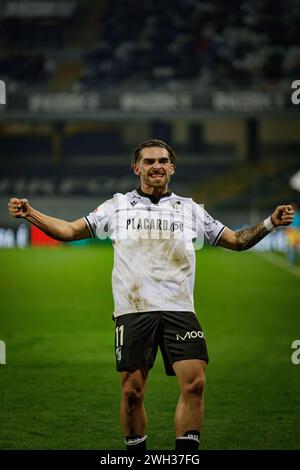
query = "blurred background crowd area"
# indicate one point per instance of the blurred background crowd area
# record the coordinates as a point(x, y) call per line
point(87, 81)
point(92, 43)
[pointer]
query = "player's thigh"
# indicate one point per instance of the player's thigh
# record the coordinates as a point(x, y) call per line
point(183, 337)
point(135, 341)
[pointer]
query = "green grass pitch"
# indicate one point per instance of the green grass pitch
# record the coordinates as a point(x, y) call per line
point(59, 388)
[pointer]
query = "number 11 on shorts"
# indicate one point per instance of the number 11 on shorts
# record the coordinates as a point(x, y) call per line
point(119, 335)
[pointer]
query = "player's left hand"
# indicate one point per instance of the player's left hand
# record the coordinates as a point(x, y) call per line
point(283, 215)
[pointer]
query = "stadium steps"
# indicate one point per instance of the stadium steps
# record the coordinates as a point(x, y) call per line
point(285, 196)
point(66, 75)
point(85, 34)
point(238, 181)
point(81, 36)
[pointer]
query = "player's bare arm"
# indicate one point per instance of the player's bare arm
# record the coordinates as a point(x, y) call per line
point(56, 228)
point(246, 238)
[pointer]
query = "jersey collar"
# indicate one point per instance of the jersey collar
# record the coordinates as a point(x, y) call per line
point(153, 199)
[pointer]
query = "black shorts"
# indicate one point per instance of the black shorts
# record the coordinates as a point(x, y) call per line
point(138, 335)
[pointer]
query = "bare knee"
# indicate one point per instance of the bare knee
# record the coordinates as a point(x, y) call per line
point(133, 389)
point(133, 393)
point(194, 388)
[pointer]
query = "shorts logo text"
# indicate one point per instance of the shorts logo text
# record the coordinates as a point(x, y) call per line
point(190, 335)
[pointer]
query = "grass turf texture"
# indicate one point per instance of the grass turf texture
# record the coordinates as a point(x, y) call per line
point(59, 388)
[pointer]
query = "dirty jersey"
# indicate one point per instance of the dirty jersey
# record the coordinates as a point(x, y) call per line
point(154, 248)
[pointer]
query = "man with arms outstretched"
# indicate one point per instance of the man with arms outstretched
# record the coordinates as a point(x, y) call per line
point(153, 232)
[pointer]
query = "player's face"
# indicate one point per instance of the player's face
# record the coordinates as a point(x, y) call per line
point(154, 167)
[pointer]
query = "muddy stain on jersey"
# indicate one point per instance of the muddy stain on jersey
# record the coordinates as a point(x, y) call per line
point(176, 255)
point(135, 299)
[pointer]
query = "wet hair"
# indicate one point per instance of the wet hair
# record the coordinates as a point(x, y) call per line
point(136, 154)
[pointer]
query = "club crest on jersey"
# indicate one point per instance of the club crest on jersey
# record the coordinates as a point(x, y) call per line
point(176, 205)
point(133, 203)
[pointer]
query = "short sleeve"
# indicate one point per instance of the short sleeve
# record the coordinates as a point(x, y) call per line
point(98, 221)
point(208, 227)
point(213, 229)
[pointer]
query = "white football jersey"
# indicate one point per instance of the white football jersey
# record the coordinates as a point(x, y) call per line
point(154, 249)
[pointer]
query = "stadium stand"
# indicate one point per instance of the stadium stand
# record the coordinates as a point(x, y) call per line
point(210, 43)
point(213, 43)
point(81, 46)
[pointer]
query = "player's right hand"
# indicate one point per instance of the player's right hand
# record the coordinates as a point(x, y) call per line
point(18, 207)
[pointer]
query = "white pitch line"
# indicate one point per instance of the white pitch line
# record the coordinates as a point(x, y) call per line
point(276, 260)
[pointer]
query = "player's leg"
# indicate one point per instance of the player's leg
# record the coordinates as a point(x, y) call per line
point(190, 409)
point(136, 347)
point(132, 410)
point(185, 354)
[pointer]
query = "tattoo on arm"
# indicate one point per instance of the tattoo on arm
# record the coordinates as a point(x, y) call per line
point(249, 237)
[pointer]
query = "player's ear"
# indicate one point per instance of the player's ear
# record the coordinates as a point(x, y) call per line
point(172, 170)
point(136, 170)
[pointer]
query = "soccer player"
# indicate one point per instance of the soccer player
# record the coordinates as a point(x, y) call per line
point(153, 232)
